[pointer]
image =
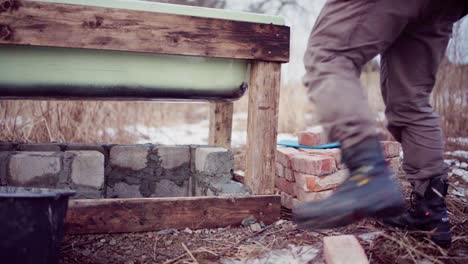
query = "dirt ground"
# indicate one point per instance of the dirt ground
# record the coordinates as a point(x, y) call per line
point(280, 242)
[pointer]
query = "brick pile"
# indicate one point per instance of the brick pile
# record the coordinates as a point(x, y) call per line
point(307, 175)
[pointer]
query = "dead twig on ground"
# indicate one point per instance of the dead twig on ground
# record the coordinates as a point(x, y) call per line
point(189, 253)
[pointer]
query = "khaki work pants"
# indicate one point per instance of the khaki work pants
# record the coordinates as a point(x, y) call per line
point(411, 36)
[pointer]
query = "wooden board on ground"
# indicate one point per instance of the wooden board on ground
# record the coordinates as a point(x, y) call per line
point(151, 214)
point(77, 26)
point(343, 250)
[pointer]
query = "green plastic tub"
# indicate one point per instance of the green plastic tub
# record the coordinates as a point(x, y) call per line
point(66, 73)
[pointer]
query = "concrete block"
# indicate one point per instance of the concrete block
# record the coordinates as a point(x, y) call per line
point(8, 146)
point(167, 188)
point(39, 147)
point(87, 147)
point(313, 164)
point(312, 183)
point(310, 196)
point(229, 187)
point(213, 161)
point(29, 167)
point(343, 250)
point(4, 159)
point(123, 190)
point(284, 185)
point(129, 156)
point(173, 156)
point(87, 168)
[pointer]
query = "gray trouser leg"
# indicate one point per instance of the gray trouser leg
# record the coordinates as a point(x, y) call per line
point(346, 35)
point(412, 35)
point(408, 72)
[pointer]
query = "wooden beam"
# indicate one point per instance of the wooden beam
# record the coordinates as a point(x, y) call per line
point(152, 214)
point(221, 124)
point(77, 26)
point(343, 250)
point(262, 126)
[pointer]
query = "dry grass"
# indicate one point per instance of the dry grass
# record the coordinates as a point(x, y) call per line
point(86, 121)
point(450, 98)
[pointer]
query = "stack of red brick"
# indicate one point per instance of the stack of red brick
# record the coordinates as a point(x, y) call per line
point(306, 175)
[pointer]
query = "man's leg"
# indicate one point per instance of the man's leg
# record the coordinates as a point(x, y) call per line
point(346, 36)
point(408, 74)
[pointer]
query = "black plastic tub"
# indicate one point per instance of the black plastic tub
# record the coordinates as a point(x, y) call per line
point(31, 224)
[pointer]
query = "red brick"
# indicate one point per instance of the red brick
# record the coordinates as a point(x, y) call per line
point(343, 249)
point(334, 153)
point(284, 185)
point(289, 201)
point(313, 164)
point(289, 174)
point(279, 170)
point(391, 149)
point(312, 138)
point(312, 183)
point(394, 164)
point(284, 155)
point(310, 196)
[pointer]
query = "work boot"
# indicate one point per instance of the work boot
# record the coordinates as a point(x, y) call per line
point(427, 213)
point(370, 191)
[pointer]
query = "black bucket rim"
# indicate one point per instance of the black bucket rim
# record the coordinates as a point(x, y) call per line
point(32, 192)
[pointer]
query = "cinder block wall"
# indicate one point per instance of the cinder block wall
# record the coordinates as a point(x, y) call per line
point(120, 171)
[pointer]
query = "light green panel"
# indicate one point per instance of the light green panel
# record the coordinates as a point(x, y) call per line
point(23, 65)
point(176, 9)
point(27, 66)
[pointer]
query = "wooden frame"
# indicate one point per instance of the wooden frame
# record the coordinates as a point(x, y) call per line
point(266, 45)
point(152, 214)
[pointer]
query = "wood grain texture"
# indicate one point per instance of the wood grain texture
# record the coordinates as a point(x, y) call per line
point(262, 126)
point(152, 214)
point(76, 26)
point(343, 250)
point(221, 124)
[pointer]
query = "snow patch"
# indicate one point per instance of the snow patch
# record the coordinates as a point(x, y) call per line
point(459, 140)
point(458, 153)
point(188, 134)
point(292, 255)
point(462, 173)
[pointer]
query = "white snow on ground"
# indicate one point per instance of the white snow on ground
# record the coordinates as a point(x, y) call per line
point(459, 140)
point(292, 255)
point(191, 134)
point(462, 173)
point(369, 237)
point(458, 153)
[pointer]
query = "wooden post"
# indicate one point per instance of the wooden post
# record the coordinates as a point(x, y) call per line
point(221, 124)
point(262, 126)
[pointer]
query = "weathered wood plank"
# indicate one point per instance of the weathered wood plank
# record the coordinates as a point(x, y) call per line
point(262, 126)
point(221, 124)
point(76, 26)
point(343, 250)
point(152, 214)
